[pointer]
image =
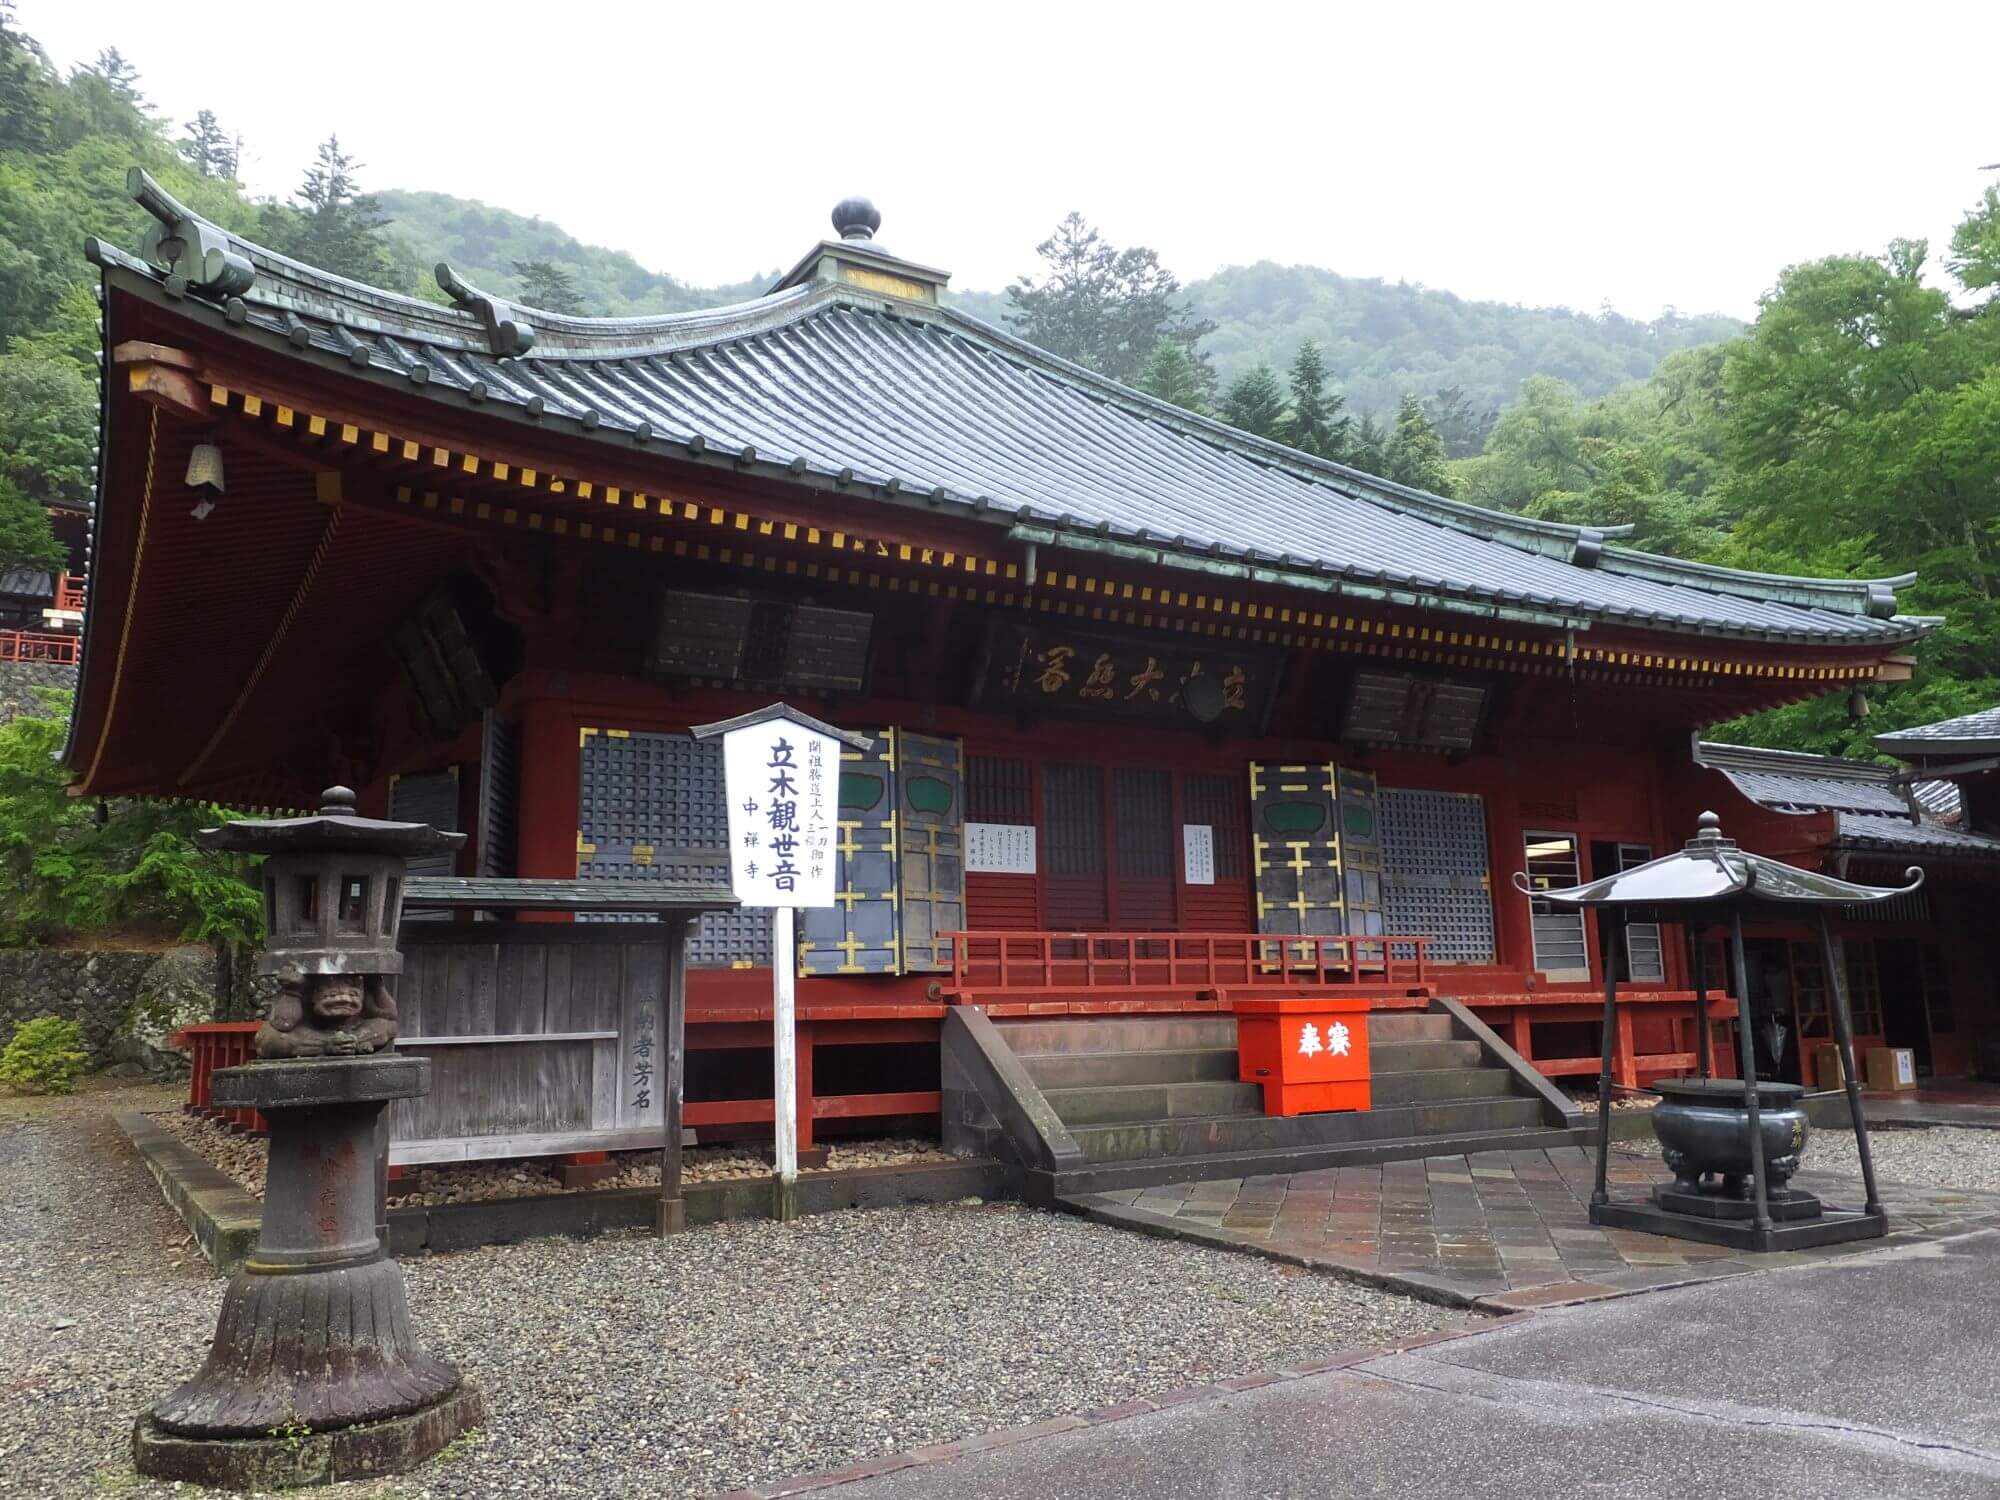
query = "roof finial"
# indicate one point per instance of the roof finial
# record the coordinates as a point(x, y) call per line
point(856, 219)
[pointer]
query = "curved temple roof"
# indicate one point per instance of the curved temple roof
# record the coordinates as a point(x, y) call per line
point(852, 374)
point(1710, 870)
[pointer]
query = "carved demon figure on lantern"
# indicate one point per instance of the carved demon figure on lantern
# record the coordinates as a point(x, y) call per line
point(329, 1015)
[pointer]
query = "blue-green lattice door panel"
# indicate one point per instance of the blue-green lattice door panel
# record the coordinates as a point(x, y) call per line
point(651, 808)
point(930, 830)
point(859, 933)
point(1295, 843)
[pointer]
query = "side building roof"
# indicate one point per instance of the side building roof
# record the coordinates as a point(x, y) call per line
point(1871, 808)
point(853, 375)
point(1968, 734)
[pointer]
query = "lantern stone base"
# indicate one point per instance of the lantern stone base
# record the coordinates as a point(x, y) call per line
point(315, 1373)
point(1729, 1201)
point(295, 1460)
point(1831, 1227)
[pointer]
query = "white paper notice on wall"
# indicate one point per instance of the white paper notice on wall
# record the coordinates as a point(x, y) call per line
point(1198, 853)
point(1000, 848)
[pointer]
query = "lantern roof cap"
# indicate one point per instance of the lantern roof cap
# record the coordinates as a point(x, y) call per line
point(336, 828)
point(1714, 871)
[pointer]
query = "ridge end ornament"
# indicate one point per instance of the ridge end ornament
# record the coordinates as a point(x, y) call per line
point(508, 335)
point(186, 246)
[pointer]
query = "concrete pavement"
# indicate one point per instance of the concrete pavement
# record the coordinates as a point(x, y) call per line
point(1871, 1375)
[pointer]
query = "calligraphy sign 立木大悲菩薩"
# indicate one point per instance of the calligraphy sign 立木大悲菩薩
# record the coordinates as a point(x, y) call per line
point(1036, 668)
point(782, 781)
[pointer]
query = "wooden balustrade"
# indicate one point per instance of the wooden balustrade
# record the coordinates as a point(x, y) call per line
point(1004, 964)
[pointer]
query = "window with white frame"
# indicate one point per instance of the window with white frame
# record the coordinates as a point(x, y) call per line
point(1562, 949)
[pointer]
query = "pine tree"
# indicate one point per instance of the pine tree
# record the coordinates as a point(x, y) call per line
point(1255, 402)
point(1315, 424)
point(207, 148)
point(337, 227)
point(1416, 453)
point(549, 286)
point(119, 74)
point(1172, 376)
point(1104, 308)
point(1367, 446)
point(24, 87)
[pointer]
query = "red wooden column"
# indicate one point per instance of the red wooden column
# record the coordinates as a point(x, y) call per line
point(804, 1074)
point(551, 789)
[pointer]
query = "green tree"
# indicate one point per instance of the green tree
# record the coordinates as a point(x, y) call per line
point(1461, 426)
point(1368, 446)
point(1416, 453)
point(1975, 247)
point(1172, 376)
point(551, 287)
point(26, 538)
point(209, 148)
point(1101, 307)
point(1314, 424)
point(48, 429)
point(65, 871)
point(70, 336)
point(1255, 402)
point(333, 224)
point(26, 83)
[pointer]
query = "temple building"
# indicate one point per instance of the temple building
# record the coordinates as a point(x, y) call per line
point(1142, 688)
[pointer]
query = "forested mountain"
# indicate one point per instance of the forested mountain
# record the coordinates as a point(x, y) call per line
point(488, 246)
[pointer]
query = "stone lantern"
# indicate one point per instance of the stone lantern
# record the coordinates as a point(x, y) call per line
point(315, 1374)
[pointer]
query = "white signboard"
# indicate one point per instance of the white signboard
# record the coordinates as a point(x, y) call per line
point(1198, 853)
point(1000, 848)
point(782, 781)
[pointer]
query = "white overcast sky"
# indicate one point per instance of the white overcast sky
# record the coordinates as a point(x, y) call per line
point(1641, 154)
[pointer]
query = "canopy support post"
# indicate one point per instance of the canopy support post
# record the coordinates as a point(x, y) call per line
point(1607, 930)
point(1843, 1034)
point(1746, 1047)
point(1699, 931)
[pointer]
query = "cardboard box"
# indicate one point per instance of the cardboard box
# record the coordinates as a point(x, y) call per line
point(1826, 1066)
point(1891, 1068)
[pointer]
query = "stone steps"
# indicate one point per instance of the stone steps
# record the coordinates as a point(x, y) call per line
point(1104, 1177)
point(1055, 1071)
point(1209, 1135)
point(1125, 1103)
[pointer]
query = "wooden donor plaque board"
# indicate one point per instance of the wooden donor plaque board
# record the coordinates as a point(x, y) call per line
point(760, 642)
point(1044, 667)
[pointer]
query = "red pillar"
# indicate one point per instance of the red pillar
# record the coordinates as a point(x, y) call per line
point(551, 788)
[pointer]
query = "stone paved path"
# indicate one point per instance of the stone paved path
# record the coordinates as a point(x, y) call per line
point(1499, 1228)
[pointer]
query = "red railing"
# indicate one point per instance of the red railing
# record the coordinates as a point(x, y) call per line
point(69, 592)
point(34, 645)
point(212, 1045)
point(1025, 962)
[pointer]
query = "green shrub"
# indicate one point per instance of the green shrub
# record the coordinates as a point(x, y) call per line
point(45, 1057)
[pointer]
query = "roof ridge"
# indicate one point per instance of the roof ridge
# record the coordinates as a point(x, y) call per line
point(1709, 752)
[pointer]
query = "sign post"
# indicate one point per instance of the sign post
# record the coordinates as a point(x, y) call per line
point(781, 774)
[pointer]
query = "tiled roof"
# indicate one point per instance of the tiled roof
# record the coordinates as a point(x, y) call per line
point(1969, 733)
point(896, 398)
point(499, 894)
point(27, 583)
point(1901, 836)
point(1789, 781)
point(1869, 807)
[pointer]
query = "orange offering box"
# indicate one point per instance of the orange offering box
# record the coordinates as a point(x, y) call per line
point(1310, 1054)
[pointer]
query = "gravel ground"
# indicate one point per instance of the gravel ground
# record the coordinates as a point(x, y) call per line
point(1935, 1156)
point(242, 1157)
point(634, 1367)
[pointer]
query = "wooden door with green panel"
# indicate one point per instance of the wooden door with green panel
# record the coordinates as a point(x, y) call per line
point(1295, 848)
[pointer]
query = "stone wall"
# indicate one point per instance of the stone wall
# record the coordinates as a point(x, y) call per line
point(93, 988)
point(18, 681)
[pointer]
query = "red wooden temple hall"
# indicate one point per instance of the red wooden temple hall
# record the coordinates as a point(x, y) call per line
point(1130, 672)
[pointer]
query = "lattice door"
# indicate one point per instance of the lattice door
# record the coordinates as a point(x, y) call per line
point(1295, 848)
point(858, 934)
point(1436, 880)
point(651, 808)
point(930, 830)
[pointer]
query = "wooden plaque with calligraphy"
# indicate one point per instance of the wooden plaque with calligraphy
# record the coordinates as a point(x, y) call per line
point(1038, 668)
